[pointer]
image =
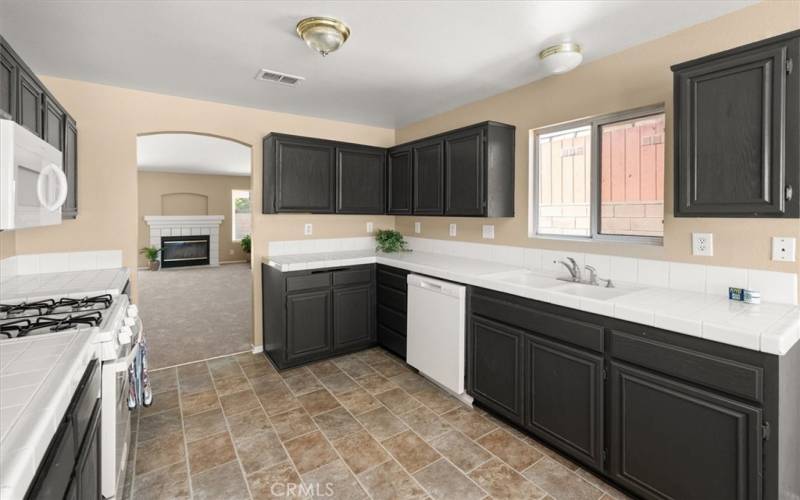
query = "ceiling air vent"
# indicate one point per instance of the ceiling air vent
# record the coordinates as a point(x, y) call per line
point(268, 75)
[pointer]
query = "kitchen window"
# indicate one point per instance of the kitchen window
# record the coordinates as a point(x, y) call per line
point(600, 178)
point(241, 214)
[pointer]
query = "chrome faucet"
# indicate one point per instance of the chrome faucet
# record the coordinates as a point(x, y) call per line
point(592, 280)
point(573, 268)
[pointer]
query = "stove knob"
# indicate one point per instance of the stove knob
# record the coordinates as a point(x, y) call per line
point(133, 311)
point(128, 321)
point(125, 335)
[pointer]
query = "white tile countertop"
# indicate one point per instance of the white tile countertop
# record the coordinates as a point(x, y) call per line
point(30, 287)
point(768, 327)
point(38, 377)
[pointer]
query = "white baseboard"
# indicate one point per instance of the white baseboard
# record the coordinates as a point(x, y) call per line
point(255, 349)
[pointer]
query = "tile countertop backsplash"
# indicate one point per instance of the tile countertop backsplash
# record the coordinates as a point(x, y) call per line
point(40, 276)
point(686, 298)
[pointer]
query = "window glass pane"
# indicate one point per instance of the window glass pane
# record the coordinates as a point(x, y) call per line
point(564, 183)
point(241, 214)
point(632, 177)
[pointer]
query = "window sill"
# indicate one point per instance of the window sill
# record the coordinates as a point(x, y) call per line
point(603, 238)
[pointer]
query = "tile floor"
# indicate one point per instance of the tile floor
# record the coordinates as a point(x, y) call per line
point(363, 425)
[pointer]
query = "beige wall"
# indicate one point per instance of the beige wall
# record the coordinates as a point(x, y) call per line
point(187, 189)
point(635, 77)
point(110, 118)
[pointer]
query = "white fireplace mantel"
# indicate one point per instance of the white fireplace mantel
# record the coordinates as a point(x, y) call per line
point(187, 225)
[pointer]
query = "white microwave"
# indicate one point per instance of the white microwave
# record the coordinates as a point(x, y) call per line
point(33, 186)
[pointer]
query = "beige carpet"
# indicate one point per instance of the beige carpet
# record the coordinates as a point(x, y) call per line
point(192, 314)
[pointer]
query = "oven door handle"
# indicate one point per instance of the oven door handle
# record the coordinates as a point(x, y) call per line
point(123, 365)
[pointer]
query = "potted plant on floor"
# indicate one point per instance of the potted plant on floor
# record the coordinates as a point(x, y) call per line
point(151, 254)
point(246, 242)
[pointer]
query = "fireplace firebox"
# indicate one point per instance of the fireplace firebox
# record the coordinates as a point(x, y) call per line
point(179, 251)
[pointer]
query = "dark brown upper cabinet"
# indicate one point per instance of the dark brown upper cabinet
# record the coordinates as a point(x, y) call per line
point(398, 187)
point(8, 83)
point(737, 120)
point(360, 173)
point(299, 175)
point(428, 171)
point(479, 171)
point(29, 104)
point(54, 123)
point(70, 208)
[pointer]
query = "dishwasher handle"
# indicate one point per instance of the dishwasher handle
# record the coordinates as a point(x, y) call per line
point(436, 286)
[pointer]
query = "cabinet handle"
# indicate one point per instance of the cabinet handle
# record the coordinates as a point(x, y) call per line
point(320, 271)
point(789, 192)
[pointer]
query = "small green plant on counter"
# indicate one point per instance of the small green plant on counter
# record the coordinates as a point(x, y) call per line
point(390, 241)
point(246, 242)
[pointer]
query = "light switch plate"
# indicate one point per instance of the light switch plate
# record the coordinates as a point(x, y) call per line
point(308, 229)
point(784, 249)
point(418, 227)
point(488, 232)
point(703, 244)
point(452, 230)
point(370, 227)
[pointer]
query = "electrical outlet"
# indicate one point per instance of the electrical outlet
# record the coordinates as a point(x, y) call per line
point(703, 244)
point(418, 227)
point(308, 229)
point(488, 232)
point(369, 227)
point(784, 249)
point(452, 230)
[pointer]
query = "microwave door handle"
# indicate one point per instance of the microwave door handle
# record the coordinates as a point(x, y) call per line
point(63, 186)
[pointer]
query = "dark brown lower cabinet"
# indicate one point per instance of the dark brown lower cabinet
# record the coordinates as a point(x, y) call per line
point(392, 296)
point(353, 313)
point(564, 397)
point(313, 315)
point(673, 440)
point(87, 472)
point(496, 367)
point(308, 323)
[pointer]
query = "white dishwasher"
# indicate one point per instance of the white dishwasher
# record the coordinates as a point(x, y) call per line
point(436, 326)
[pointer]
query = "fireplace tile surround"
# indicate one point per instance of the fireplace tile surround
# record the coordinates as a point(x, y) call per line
point(187, 225)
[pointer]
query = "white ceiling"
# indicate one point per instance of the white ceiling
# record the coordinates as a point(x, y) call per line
point(192, 154)
point(404, 61)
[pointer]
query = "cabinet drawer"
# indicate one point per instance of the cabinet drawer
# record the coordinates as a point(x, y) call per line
point(393, 279)
point(352, 276)
point(85, 400)
point(575, 332)
point(392, 298)
point(309, 281)
point(392, 340)
point(733, 377)
point(393, 319)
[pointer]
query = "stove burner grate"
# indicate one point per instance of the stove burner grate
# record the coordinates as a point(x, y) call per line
point(23, 327)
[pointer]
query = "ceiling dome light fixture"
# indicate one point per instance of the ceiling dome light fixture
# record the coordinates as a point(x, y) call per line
point(323, 34)
point(562, 57)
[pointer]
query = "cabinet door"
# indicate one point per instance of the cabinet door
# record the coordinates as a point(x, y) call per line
point(360, 180)
point(465, 192)
point(564, 397)
point(29, 104)
point(87, 471)
point(304, 175)
point(353, 316)
point(54, 120)
point(672, 440)
point(308, 324)
point(70, 208)
point(428, 161)
point(398, 189)
point(495, 367)
point(731, 129)
point(8, 83)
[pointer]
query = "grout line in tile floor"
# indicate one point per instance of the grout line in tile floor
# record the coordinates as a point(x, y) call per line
point(368, 358)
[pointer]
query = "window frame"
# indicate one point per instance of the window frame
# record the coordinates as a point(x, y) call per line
point(594, 123)
point(233, 211)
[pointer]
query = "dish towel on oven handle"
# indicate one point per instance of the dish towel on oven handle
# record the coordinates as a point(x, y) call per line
point(140, 392)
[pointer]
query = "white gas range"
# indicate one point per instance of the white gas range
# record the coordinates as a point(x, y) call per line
point(115, 326)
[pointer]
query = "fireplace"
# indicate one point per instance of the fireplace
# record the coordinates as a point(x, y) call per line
point(179, 251)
